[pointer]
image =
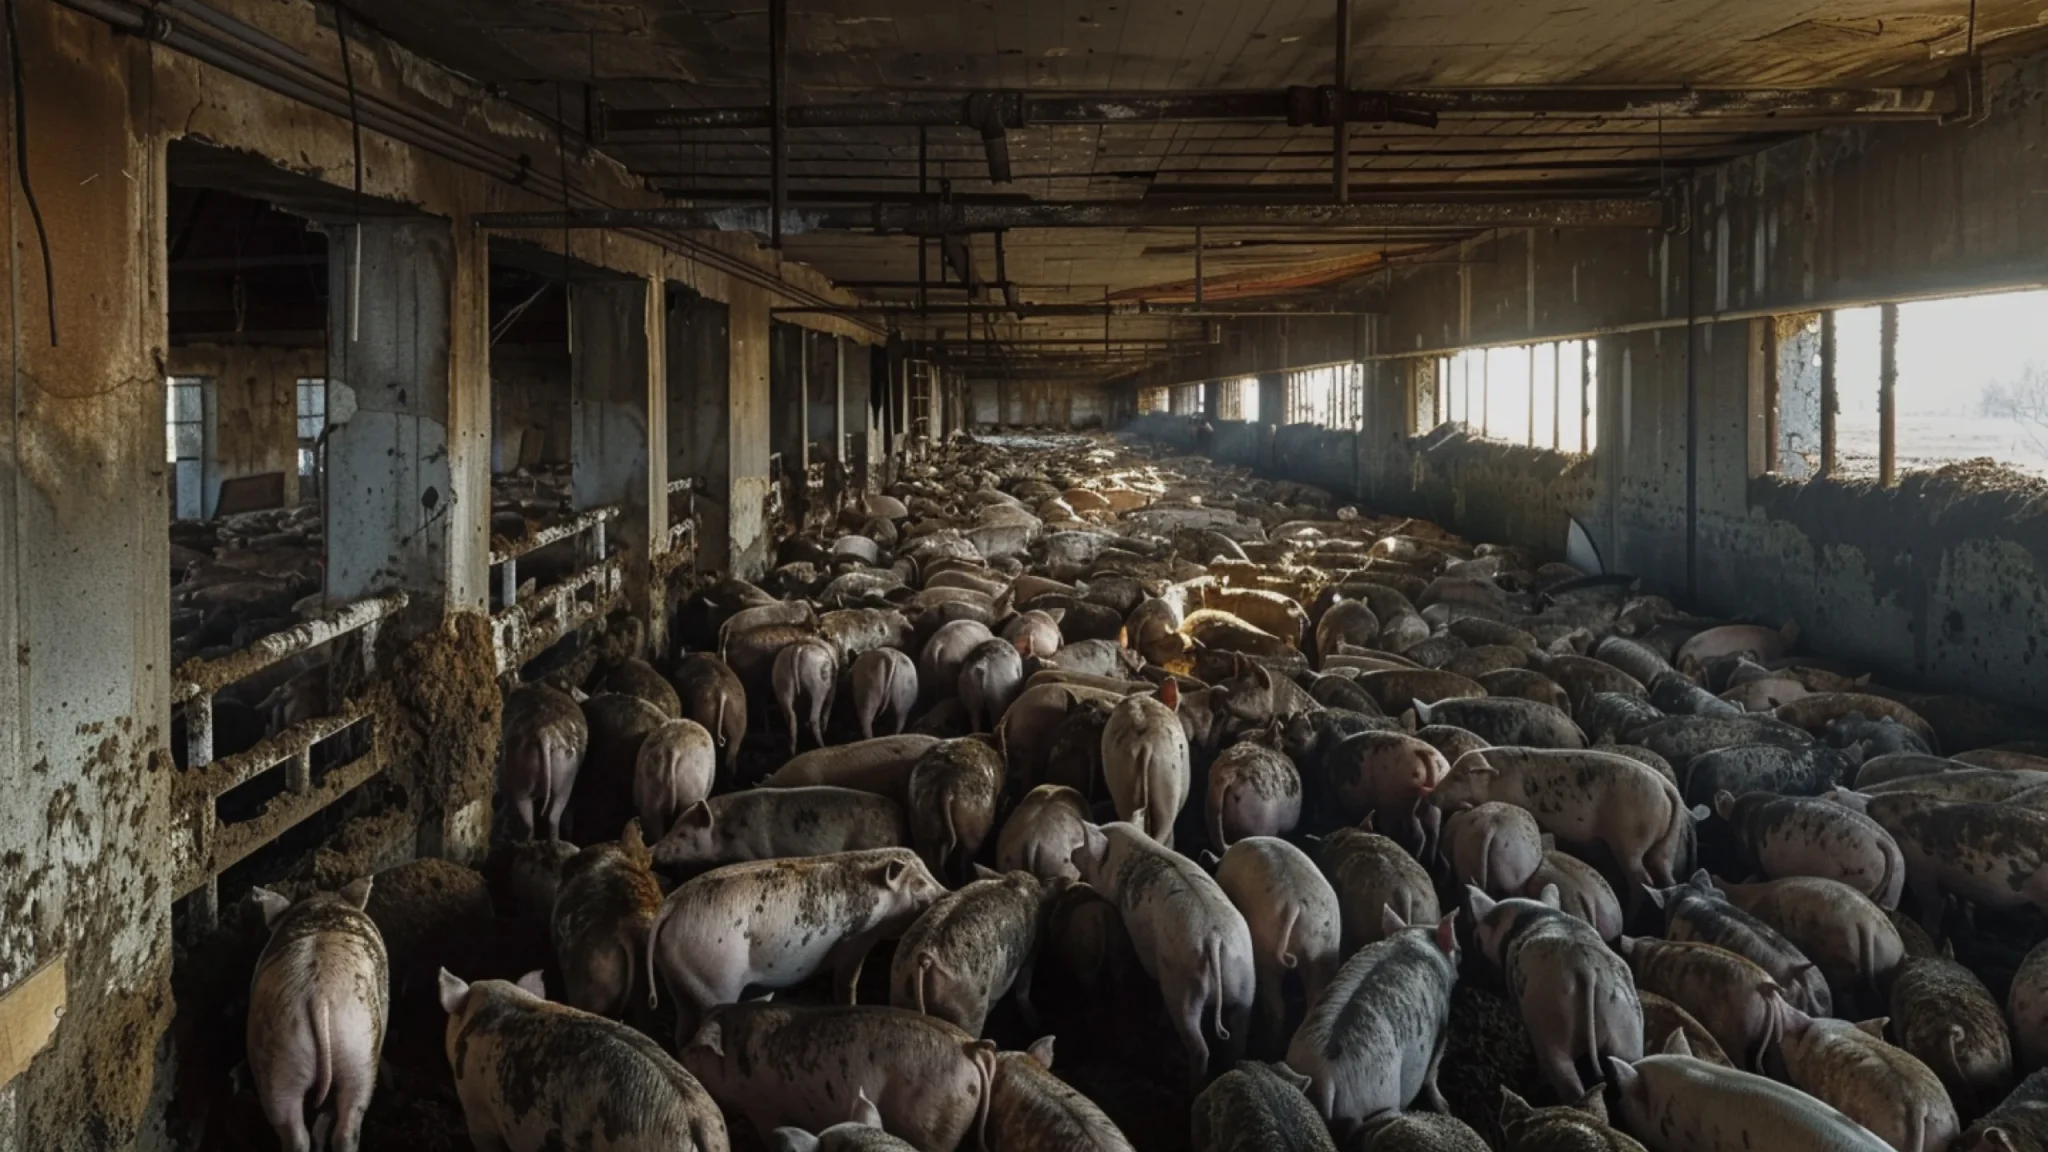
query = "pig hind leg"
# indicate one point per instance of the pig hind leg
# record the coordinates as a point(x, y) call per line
point(1187, 1021)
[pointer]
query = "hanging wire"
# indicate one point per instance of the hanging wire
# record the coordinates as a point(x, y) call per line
point(28, 190)
point(355, 126)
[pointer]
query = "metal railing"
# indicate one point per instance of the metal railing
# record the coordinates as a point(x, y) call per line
point(679, 550)
point(523, 626)
point(203, 847)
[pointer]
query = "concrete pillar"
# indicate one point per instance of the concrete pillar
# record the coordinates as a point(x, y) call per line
point(789, 369)
point(747, 430)
point(615, 384)
point(699, 424)
point(390, 498)
point(822, 421)
point(85, 871)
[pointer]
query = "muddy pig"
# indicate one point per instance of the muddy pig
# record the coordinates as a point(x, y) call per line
point(990, 679)
point(1369, 872)
point(953, 792)
point(1803, 836)
point(784, 1064)
point(1258, 1107)
point(1883, 1088)
point(1031, 1110)
point(884, 688)
point(1838, 928)
point(1145, 760)
point(971, 947)
point(1189, 938)
point(581, 1080)
point(1697, 911)
point(1254, 790)
point(2026, 1005)
point(1582, 797)
point(938, 663)
point(1729, 994)
point(677, 766)
point(1582, 892)
point(1495, 847)
point(1418, 1132)
point(318, 1004)
point(1295, 922)
point(1942, 1013)
point(603, 911)
point(1689, 1105)
point(776, 923)
point(1374, 1039)
point(1041, 834)
point(1388, 776)
point(1994, 855)
point(863, 1133)
point(545, 738)
point(1581, 1127)
point(770, 823)
point(881, 765)
point(2019, 1124)
point(1575, 996)
point(711, 694)
point(806, 677)
point(603, 799)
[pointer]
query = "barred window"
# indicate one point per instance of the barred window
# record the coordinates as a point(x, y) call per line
point(1154, 400)
point(1542, 395)
point(1332, 395)
point(1239, 399)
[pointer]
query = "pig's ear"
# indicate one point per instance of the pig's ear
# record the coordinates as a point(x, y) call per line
point(1422, 712)
point(984, 872)
point(792, 1140)
point(1658, 897)
point(697, 815)
point(1209, 860)
point(1057, 614)
point(1288, 1074)
point(1702, 881)
point(1874, 1026)
point(1724, 804)
point(1478, 901)
point(1676, 1044)
point(1625, 1076)
point(1169, 693)
point(454, 993)
point(1041, 1051)
point(1390, 920)
point(357, 893)
point(1447, 935)
point(891, 874)
point(710, 1037)
point(1513, 1109)
point(270, 904)
point(1998, 1140)
point(1371, 822)
point(865, 1113)
point(1551, 896)
point(1261, 677)
point(533, 985)
point(631, 838)
point(1137, 820)
point(1594, 1102)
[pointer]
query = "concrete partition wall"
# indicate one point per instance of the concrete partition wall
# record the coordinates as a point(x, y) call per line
point(616, 381)
point(699, 424)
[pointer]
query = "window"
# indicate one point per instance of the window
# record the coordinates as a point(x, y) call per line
point(1541, 395)
point(1154, 400)
point(312, 421)
point(185, 443)
point(1187, 400)
point(1970, 382)
point(1332, 395)
point(1239, 399)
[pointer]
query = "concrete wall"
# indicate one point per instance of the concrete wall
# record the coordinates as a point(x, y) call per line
point(1939, 581)
point(1038, 403)
point(529, 405)
point(256, 407)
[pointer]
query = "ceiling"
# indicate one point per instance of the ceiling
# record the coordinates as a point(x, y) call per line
point(562, 58)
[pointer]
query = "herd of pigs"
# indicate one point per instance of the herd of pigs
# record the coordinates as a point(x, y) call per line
point(1076, 732)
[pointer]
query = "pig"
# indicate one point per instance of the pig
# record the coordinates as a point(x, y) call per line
point(990, 678)
point(318, 1004)
point(1346, 621)
point(1661, 1017)
point(1033, 721)
point(1254, 790)
point(2027, 1007)
point(1295, 922)
point(971, 948)
point(1034, 633)
point(545, 738)
point(1675, 695)
point(1802, 836)
point(1942, 1013)
point(1258, 1107)
point(1683, 1104)
point(638, 678)
point(1576, 997)
point(1145, 760)
point(603, 799)
point(1042, 832)
point(776, 923)
point(1096, 658)
point(1615, 715)
point(1188, 936)
point(1729, 994)
point(938, 665)
point(2018, 1124)
point(677, 766)
point(1527, 685)
point(1031, 1110)
point(1373, 1041)
point(712, 695)
point(1499, 720)
point(770, 823)
point(1257, 697)
point(1697, 911)
point(881, 765)
point(1809, 771)
point(1580, 1127)
point(884, 688)
point(953, 792)
point(806, 675)
point(524, 877)
point(603, 910)
point(861, 1134)
point(1153, 630)
point(785, 1064)
point(1582, 892)
point(1883, 1088)
point(854, 632)
point(1681, 738)
point(1387, 775)
point(1397, 690)
point(1817, 712)
point(1581, 797)
point(1495, 847)
point(1369, 873)
point(1995, 855)
point(1754, 640)
point(533, 1076)
point(1850, 938)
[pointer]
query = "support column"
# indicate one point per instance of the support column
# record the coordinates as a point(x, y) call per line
point(789, 370)
point(822, 427)
point(613, 379)
point(747, 430)
point(699, 422)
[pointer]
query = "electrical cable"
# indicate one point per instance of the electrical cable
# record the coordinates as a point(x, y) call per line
point(28, 191)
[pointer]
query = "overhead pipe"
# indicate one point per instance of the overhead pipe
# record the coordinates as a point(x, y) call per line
point(941, 219)
point(1105, 309)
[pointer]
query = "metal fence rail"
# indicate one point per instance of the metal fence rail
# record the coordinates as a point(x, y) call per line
point(524, 626)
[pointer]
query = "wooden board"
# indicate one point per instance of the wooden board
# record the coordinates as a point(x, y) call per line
point(29, 1012)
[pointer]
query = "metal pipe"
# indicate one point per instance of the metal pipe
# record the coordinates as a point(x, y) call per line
point(1828, 393)
point(938, 219)
point(1340, 135)
point(1887, 396)
point(1198, 263)
point(778, 104)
